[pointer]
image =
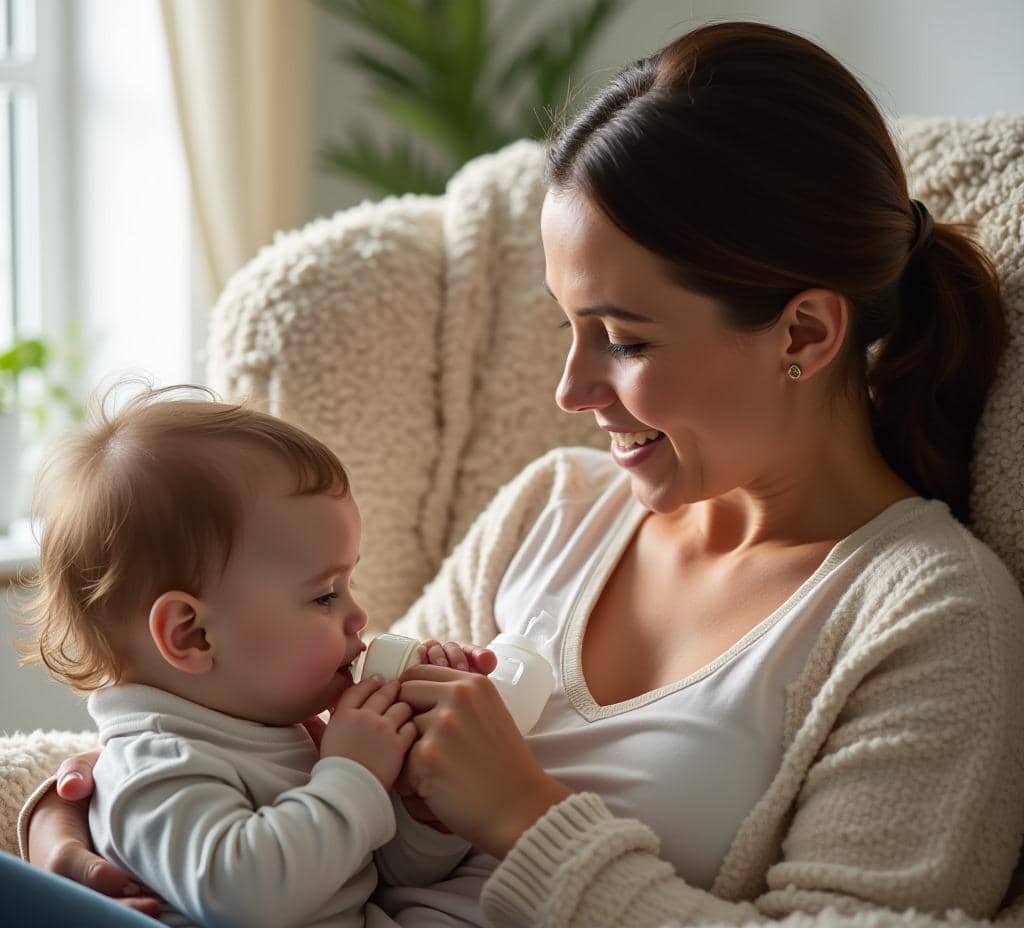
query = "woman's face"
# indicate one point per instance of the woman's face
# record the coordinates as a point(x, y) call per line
point(694, 408)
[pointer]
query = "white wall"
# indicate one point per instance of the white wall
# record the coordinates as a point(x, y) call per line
point(922, 57)
point(29, 698)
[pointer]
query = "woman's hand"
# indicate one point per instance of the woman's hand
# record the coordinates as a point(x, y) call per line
point(58, 838)
point(471, 765)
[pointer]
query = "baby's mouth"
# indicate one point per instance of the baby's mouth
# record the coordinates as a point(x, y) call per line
point(350, 666)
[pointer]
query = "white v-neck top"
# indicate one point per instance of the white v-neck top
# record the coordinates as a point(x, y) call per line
point(690, 759)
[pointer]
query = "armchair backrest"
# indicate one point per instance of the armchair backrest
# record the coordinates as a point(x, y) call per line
point(414, 336)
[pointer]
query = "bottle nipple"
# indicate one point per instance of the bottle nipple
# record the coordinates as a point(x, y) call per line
point(389, 656)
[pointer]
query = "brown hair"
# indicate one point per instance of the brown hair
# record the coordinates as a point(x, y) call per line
point(757, 166)
point(147, 499)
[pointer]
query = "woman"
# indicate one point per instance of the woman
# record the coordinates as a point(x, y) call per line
point(786, 672)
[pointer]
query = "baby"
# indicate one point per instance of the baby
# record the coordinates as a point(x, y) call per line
point(196, 577)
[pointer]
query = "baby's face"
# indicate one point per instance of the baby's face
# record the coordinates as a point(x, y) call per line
point(285, 625)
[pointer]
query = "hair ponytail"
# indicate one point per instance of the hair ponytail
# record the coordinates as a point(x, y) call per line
point(757, 166)
point(928, 380)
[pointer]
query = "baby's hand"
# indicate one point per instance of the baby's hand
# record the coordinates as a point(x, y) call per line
point(371, 727)
point(458, 656)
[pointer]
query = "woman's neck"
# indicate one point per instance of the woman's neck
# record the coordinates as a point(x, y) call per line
point(826, 486)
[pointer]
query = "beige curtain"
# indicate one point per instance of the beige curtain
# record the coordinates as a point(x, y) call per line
point(242, 73)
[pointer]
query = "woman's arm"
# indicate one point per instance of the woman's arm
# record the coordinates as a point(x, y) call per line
point(55, 836)
point(909, 795)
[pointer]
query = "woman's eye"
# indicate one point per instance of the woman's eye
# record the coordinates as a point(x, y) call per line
point(325, 600)
point(625, 351)
point(564, 324)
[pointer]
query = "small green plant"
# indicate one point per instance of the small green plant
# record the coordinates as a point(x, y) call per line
point(456, 81)
point(26, 354)
point(43, 356)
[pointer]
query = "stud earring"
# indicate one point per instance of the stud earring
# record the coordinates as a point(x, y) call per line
point(794, 371)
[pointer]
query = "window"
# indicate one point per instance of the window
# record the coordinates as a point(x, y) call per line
point(31, 64)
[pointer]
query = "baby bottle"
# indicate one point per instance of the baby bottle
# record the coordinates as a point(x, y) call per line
point(523, 677)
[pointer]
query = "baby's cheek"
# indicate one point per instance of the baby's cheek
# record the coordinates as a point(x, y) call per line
point(311, 663)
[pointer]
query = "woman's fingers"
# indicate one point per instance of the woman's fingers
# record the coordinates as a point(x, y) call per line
point(76, 862)
point(470, 764)
point(408, 735)
point(74, 776)
point(424, 686)
point(398, 714)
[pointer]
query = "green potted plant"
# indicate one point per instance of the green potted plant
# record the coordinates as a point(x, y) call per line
point(456, 79)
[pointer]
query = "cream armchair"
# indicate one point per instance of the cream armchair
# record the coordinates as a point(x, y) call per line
point(414, 336)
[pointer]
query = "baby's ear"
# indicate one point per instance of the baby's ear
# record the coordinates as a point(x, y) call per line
point(177, 630)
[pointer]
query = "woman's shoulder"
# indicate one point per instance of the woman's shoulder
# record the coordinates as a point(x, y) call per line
point(560, 475)
point(574, 472)
point(925, 555)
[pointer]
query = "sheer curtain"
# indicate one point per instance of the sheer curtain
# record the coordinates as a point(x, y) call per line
point(242, 73)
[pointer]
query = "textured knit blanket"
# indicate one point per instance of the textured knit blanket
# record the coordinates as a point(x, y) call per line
point(414, 336)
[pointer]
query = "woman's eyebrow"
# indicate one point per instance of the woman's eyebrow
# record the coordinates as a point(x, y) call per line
point(605, 309)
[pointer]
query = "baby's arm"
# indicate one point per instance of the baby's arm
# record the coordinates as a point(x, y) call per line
point(175, 812)
point(184, 825)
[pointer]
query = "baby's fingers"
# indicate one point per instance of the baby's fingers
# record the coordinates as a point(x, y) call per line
point(448, 654)
point(382, 700)
point(356, 696)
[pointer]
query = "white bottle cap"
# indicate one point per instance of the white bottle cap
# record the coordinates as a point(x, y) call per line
point(389, 656)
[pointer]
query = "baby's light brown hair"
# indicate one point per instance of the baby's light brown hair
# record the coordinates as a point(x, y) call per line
point(146, 499)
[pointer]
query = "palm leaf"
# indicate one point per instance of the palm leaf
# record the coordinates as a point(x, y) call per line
point(394, 169)
point(437, 77)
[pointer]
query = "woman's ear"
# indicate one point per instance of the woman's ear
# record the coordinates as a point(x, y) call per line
point(814, 323)
point(176, 627)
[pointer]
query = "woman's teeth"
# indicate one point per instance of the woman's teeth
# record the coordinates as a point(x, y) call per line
point(628, 439)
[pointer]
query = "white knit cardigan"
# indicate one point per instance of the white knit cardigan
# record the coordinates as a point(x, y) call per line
point(422, 321)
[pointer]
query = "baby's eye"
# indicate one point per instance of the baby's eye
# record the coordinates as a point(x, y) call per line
point(325, 600)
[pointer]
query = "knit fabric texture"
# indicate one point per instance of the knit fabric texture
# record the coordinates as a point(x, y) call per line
point(26, 759)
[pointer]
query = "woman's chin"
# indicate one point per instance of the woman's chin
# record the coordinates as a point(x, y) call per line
point(661, 497)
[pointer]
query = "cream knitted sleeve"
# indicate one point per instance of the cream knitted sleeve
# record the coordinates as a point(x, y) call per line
point(906, 791)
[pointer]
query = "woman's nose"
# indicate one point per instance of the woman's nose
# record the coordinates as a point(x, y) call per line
point(580, 387)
